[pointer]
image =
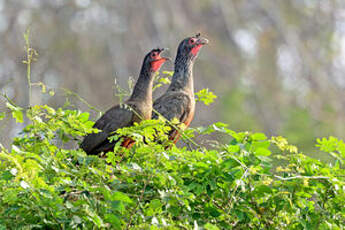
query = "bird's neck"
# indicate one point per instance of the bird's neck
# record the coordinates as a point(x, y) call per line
point(142, 91)
point(182, 79)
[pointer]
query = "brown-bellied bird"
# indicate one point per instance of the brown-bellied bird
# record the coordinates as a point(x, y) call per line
point(178, 101)
point(120, 116)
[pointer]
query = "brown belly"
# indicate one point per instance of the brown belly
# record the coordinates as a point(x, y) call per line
point(128, 143)
point(175, 135)
point(189, 119)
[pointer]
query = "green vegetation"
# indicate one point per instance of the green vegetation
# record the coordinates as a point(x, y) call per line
point(248, 181)
point(235, 184)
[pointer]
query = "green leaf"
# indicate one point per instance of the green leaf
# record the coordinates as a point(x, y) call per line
point(84, 117)
point(230, 163)
point(121, 197)
point(206, 96)
point(262, 152)
point(2, 115)
point(258, 136)
point(233, 148)
point(261, 189)
point(169, 73)
point(209, 226)
point(18, 115)
point(164, 80)
point(261, 144)
point(118, 206)
point(155, 204)
point(113, 220)
point(16, 112)
point(6, 175)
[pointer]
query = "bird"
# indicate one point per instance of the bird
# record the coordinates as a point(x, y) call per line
point(137, 108)
point(178, 101)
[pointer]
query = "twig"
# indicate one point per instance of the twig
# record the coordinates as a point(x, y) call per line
point(30, 57)
point(301, 177)
point(70, 92)
point(233, 192)
point(8, 99)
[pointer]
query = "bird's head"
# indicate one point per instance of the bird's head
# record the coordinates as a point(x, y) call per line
point(154, 60)
point(190, 47)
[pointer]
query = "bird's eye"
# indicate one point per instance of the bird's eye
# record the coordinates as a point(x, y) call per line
point(153, 54)
point(192, 41)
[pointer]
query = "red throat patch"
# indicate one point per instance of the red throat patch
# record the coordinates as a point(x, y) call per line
point(155, 65)
point(195, 49)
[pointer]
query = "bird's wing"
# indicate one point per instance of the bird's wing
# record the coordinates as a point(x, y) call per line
point(173, 105)
point(117, 117)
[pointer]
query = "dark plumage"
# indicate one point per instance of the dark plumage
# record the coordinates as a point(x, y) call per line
point(121, 116)
point(178, 101)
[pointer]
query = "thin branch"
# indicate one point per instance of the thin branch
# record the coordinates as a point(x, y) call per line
point(301, 177)
point(70, 92)
point(234, 191)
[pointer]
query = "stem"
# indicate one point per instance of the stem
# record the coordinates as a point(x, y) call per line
point(30, 54)
point(301, 177)
point(70, 92)
point(28, 75)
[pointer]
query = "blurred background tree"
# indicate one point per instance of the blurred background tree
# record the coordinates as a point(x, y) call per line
point(276, 65)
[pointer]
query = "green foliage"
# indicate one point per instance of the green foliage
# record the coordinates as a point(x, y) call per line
point(237, 184)
point(2, 115)
point(206, 96)
point(233, 185)
point(16, 111)
point(163, 79)
point(120, 92)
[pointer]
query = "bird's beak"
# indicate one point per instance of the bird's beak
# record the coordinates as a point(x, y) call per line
point(202, 41)
point(164, 58)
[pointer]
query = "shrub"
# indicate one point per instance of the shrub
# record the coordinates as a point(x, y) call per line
point(247, 182)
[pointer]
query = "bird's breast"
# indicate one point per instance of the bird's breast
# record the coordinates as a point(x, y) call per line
point(191, 113)
point(143, 112)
